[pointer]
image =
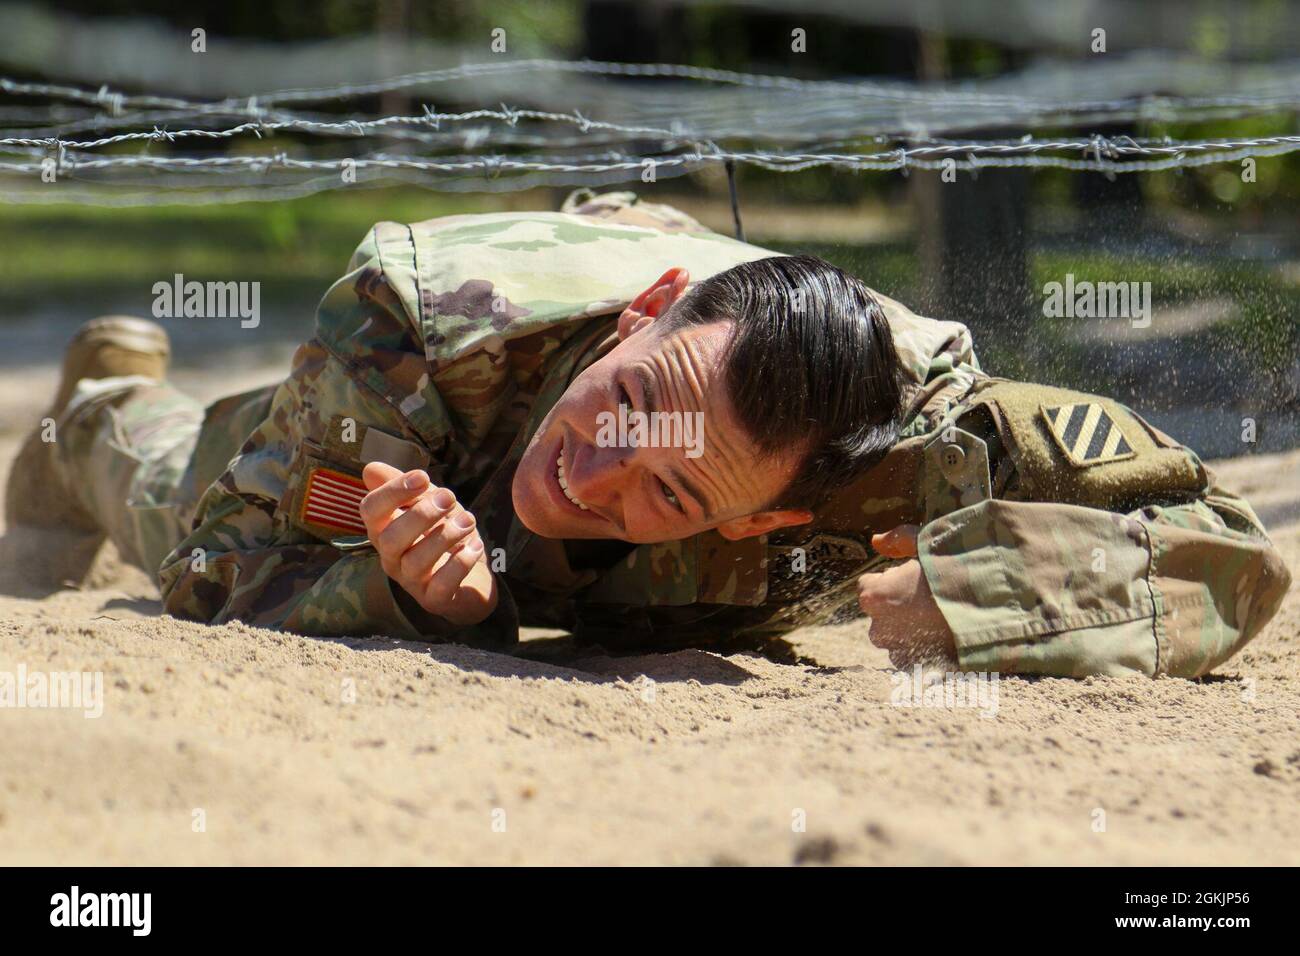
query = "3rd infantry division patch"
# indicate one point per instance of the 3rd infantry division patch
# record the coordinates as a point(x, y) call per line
point(1086, 433)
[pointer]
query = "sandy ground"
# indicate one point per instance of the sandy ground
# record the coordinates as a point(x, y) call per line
point(239, 745)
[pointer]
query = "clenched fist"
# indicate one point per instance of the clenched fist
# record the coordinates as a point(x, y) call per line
point(428, 544)
point(905, 620)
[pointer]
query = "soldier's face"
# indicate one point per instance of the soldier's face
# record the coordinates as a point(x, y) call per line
point(644, 446)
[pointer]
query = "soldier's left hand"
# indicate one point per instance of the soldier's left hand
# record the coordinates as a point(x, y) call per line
point(905, 620)
point(428, 545)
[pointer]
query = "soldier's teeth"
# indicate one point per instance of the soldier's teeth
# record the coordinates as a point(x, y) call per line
point(564, 485)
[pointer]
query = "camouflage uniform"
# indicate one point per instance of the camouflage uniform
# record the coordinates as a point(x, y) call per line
point(421, 360)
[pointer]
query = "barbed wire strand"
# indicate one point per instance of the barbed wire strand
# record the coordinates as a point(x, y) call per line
point(915, 149)
point(117, 102)
point(1004, 154)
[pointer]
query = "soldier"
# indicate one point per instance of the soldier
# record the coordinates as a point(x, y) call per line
point(450, 456)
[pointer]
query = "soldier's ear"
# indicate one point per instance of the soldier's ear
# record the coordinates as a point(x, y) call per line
point(653, 302)
point(761, 522)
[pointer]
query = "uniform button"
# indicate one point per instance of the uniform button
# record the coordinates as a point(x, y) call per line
point(952, 462)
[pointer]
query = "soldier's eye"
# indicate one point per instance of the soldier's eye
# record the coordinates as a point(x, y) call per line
point(671, 498)
point(623, 397)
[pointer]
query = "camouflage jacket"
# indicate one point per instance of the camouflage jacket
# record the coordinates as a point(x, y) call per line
point(448, 341)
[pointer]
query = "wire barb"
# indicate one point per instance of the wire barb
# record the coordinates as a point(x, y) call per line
point(528, 146)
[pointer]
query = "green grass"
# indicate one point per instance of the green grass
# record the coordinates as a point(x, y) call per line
point(89, 252)
point(87, 258)
point(1263, 330)
point(1267, 305)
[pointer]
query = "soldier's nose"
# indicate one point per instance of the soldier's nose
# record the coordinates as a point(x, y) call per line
point(596, 472)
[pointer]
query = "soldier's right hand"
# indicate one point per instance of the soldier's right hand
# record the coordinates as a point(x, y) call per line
point(905, 618)
point(428, 544)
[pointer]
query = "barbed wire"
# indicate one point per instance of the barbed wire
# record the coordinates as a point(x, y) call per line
point(567, 140)
point(428, 129)
point(511, 117)
point(486, 176)
point(117, 102)
point(1026, 154)
point(353, 127)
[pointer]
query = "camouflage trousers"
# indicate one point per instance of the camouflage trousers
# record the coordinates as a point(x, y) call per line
point(123, 453)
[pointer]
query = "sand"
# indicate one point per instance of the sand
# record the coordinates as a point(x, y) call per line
point(236, 745)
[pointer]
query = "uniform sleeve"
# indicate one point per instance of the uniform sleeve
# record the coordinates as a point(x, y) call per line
point(233, 567)
point(253, 555)
point(1069, 591)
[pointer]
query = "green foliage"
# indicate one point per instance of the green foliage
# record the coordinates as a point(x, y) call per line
point(101, 254)
point(97, 257)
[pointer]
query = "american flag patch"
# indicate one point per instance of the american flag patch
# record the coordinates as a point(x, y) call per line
point(333, 500)
point(1087, 433)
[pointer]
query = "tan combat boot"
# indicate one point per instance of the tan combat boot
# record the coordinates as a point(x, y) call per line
point(49, 536)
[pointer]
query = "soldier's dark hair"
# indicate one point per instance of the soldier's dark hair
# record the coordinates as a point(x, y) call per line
point(810, 365)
